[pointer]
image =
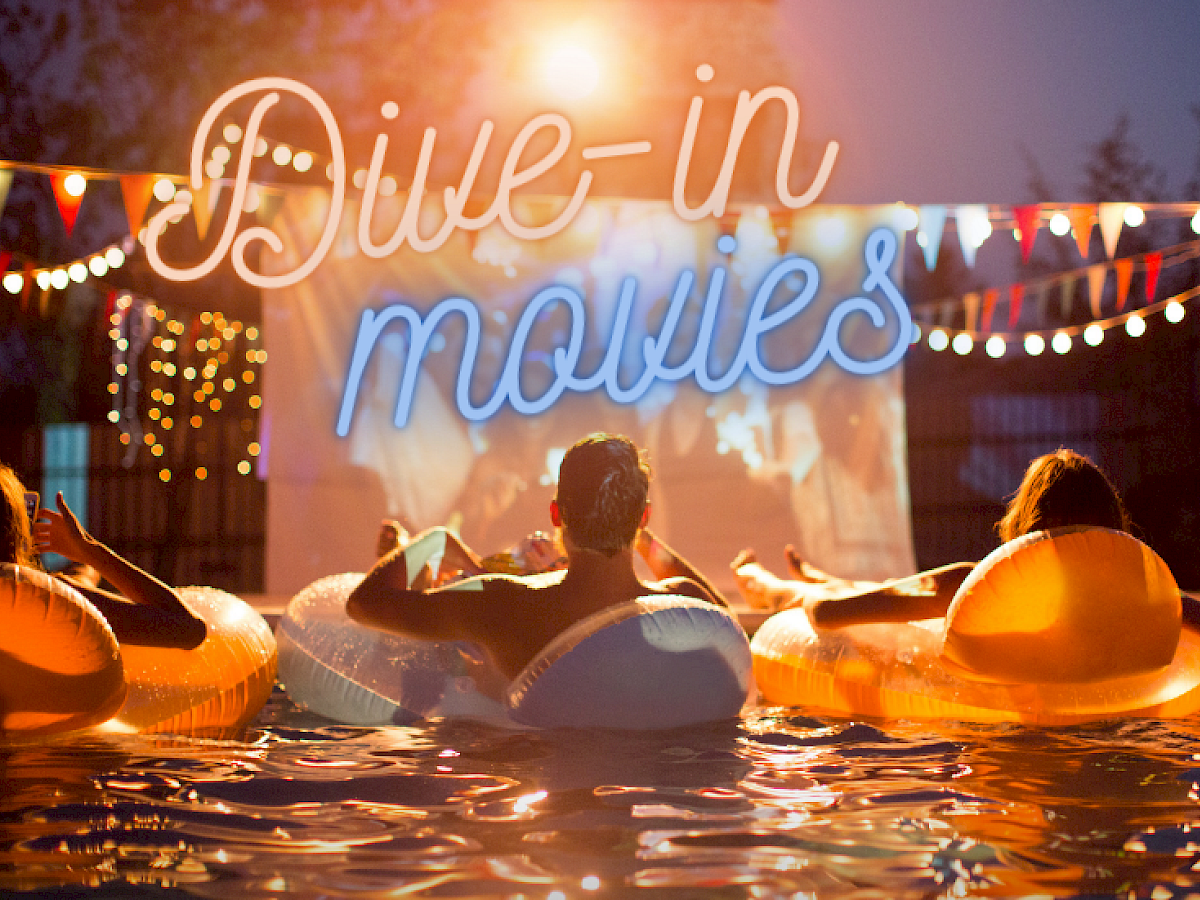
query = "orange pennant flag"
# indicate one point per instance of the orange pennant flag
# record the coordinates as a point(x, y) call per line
point(136, 190)
point(1124, 270)
point(1081, 223)
point(204, 201)
point(1153, 262)
point(1095, 277)
point(1016, 294)
point(1027, 224)
point(68, 201)
point(971, 308)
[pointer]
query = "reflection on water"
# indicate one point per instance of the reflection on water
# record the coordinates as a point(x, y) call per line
point(778, 804)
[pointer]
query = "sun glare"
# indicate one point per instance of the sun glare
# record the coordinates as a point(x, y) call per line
point(571, 71)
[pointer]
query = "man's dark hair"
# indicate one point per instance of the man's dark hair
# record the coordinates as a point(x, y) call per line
point(602, 488)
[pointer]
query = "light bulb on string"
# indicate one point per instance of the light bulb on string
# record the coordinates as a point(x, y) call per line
point(1061, 343)
point(1174, 312)
point(995, 346)
point(1035, 344)
point(938, 340)
point(1093, 335)
point(1135, 326)
point(962, 343)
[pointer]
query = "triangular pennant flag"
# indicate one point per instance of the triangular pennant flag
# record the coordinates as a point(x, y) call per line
point(990, 296)
point(1027, 224)
point(1095, 276)
point(1153, 263)
point(1112, 217)
point(1016, 293)
point(971, 306)
point(204, 201)
point(5, 259)
point(972, 222)
point(136, 191)
point(1124, 270)
point(68, 203)
point(1066, 294)
point(932, 221)
point(1041, 297)
point(269, 204)
point(6, 179)
point(1081, 223)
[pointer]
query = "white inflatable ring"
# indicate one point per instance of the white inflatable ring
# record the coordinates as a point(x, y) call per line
point(656, 662)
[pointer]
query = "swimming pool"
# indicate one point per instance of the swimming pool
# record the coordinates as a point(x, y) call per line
point(775, 804)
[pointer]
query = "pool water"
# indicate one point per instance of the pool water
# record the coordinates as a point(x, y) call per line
point(777, 804)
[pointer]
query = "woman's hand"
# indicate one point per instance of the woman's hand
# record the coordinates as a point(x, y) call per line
point(60, 532)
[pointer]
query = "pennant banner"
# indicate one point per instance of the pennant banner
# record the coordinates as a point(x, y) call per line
point(1153, 263)
point(1081, 224)
point(1112, 217)
point(1016, 293)
point(136, 191)
point(1027, 218)
point(68, 203)
point(932, 221)
point(1124, 270)
point(1095, 277)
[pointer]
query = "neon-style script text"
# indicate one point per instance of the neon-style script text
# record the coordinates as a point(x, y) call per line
point(880, 251)
point(455, 199)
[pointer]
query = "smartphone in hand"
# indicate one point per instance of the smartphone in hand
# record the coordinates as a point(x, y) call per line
point(32, 501)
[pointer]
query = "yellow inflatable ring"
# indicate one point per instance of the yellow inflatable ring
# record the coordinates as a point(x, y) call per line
point(899, 671)
point(60, 666)
point(1064, 606)
point(214, 689)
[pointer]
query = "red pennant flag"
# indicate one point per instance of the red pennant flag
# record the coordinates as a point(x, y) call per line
point(1153, 262)
point(5, 259)
point(990, 296)
point(136, 191)
point(68, 203)
point(1016, 293)
point(1081, 223)
point(1124, 269)
point(1027, 224)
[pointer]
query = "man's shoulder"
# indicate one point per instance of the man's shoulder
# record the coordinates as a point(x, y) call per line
point(684, 587)
point(504, 584)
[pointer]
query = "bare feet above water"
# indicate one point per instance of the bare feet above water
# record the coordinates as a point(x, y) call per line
point(759, 588)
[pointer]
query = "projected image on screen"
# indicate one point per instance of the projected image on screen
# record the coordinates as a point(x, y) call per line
point(819, 463)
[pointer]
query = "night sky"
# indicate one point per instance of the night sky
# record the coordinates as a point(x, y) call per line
point(932, 100)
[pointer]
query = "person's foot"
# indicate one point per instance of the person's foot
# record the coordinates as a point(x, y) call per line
point(803, 571)
point(761, 589)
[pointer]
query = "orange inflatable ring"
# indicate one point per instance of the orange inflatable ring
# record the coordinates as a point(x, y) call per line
point(60, 666)
point(1075, 596)
point(214, 689)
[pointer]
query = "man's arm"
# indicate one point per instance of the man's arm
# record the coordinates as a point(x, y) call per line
point(667, 565)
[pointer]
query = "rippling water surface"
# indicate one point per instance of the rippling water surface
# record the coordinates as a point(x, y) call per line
point(776, 804)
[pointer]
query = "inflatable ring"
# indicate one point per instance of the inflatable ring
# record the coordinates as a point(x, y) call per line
point(213, 689)
point(655, 662)
point(1056, 607)
point(899, 671)
point(60, 666)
